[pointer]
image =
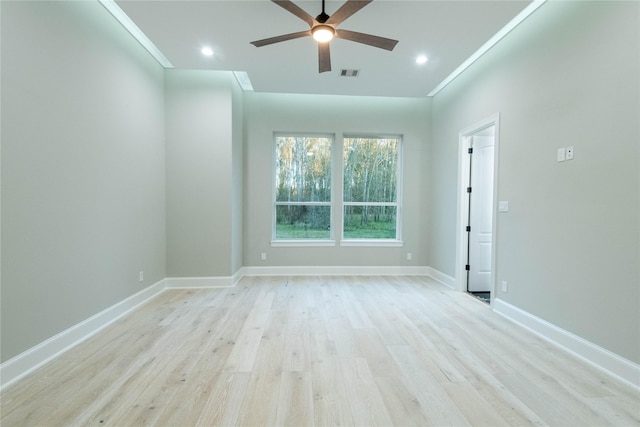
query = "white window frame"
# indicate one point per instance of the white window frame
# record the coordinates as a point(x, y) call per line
point(337, 203)
point(276, 242)
point(397, 242)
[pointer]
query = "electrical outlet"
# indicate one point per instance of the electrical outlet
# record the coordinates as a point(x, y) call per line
point(409, 256)
point(141, 277)
point(263, 256)
point(504, 286)
point(569, 153)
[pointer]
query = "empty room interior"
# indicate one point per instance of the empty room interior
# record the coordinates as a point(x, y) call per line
point(210, 216)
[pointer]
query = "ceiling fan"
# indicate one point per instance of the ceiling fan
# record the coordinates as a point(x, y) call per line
point(323, 29)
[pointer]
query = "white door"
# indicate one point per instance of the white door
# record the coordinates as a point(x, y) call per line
point(481, 212)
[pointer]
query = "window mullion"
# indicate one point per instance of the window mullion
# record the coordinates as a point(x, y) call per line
point(337, 196)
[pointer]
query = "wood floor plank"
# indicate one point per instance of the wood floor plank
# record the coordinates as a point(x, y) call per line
point(260, 405)
point(248, 340)
point(295, 400)
point(365, 401)
point(330, 399)
point(296, 346)
point(436, 404)
point(317, 350)
point(375, 352)
point(223, 406)
point(403, 407)
point(473, 405)
point(539, 401)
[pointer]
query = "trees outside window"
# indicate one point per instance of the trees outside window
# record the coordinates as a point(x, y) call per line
point(303, 204)
point(303, 187)
point(370, 187)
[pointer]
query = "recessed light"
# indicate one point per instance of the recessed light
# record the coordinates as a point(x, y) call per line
point(421, 59)
point(207, 51)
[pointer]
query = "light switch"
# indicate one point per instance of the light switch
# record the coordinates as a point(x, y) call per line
point(503, 206)
point(561, 154)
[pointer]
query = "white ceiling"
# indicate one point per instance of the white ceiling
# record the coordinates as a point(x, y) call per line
point(448, 32)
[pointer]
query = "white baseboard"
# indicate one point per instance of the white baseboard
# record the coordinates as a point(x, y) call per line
point(21, 365)
point(199, 282)
point(593, 354)
point(335, 271)
point(439, 276)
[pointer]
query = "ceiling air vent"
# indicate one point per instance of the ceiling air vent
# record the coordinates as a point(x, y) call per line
point(349, 73)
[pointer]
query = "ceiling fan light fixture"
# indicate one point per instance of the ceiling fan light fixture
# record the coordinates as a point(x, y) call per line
point(323, 33)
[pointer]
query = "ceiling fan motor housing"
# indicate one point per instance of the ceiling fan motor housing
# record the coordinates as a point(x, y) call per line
point(322, 18)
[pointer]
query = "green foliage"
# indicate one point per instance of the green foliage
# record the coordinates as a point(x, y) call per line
point(377, 227)
point(300, 231)
point(311, 216)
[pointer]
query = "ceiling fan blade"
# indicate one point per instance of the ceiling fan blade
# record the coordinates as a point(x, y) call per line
point(346, 10)
point(282, 38)
point(324, 57)
point(375, 41)
point(296, 10)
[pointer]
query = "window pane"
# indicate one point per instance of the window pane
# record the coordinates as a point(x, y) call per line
point(303, 169)
point(370, 169)
point(370, 222)
point(303, 222)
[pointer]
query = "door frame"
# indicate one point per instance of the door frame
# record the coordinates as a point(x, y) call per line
point(464, 141)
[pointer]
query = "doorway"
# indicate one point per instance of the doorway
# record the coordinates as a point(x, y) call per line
point(476, 212)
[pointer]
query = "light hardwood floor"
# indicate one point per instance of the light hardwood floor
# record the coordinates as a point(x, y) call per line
point(303, 351)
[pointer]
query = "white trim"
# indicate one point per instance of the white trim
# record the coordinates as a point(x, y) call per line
point(23, 364)
point(374, 243)
point(601, 358)
point(371, 270)
point(200, 282)
point(440, 277)
point(464, 139)
point(243, 80)
point(301, 243)
point(524, 14)
point(136, 32)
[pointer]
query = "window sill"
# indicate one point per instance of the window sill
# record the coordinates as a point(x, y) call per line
point(382, 243)
point(301, 243)
point(379, 243)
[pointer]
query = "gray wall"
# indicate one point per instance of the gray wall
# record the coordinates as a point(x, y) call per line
point(269, 113)
point(570, 245)
point(83, 168)
point(237, 179)
point(204, 151)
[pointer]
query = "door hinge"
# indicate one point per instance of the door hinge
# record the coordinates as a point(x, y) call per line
point(468, 189)
point(467, 267)
point(470, 150)
point(468, 228)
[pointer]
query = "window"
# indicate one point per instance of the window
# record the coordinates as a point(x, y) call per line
point(365, 211)
point(370, 187)
point(302, 187)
